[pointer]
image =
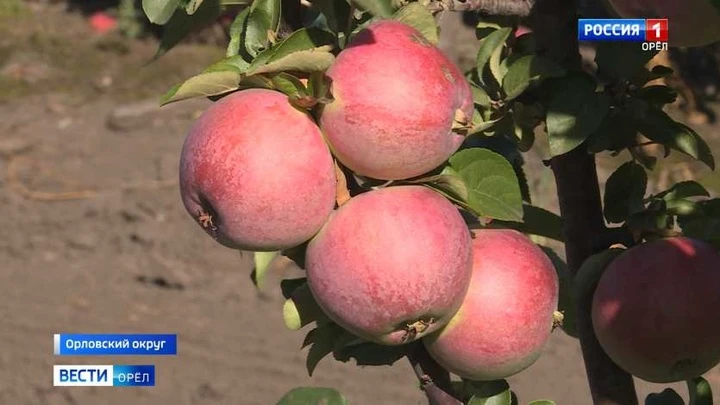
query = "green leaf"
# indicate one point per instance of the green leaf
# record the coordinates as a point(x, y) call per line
point(715, 3)
point(657, 126)
point(337, 13)
point(700, 392)
point(683, 190)
point(203, 85)
point(667, 397)
point(159, 11)
point(542, 402)
point(323, 342)
point(305, 50)
point(491, 393)
point(181, 24)
point(289, 84)
point(319, 87)
point(489, 23)
point(589, 273)
point(497, 69)
point(616, 132)
point(449, 182)
point(292, 317)
point(525, 119)
point(301, 309)
point(654, 219)
point(566, 304)
point(363, 22)
point(503, 66)
point(489, 45)
point(296, 254)
point(289, 285)
point(525, 44)
point(301, 61)
point(657, 95)
point(705, 229)
point(232, 64)
point(480, 97)
point(660, 71)
point(312, 396)
point(526, 71)
point(537, 221)
point(541, 222)
point(493, 188)
point(237, 33)
point(262, 23)
point(303, 39)
point(703, 209)
point(501, 142)
point(378, 8)
point(309, 338)
point(622, 60)
point(419, 17)
point(575, 111)
point(192, 6)
point(256, 82)
point(523, 181)
point(367, 353)
point(625, 192)
point(262, 264)
point(479, 126)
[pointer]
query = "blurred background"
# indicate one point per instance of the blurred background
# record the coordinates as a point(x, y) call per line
point(94, 238)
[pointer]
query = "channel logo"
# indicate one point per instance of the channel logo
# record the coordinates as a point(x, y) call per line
point(647, 31)
point(104, 375)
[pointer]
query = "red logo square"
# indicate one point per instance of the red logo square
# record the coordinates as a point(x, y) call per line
point(656, 30)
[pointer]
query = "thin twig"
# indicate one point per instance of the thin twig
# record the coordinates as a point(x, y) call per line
point(434, 380)
point(519, 8)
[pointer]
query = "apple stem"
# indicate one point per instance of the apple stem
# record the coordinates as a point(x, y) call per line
point(434, 380)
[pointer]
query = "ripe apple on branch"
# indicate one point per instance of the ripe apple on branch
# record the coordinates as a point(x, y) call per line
point(343, 138)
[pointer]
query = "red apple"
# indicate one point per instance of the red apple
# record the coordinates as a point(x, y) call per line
point(655, 309)
point(256, 174)
point(102, 22)
point(391, 265)
point(507, 315)
point(522, 30)
point(396, 97)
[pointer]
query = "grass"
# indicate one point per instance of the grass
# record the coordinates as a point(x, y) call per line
point(12, 8)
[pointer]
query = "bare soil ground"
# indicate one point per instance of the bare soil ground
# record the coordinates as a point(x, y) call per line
point(93, 238)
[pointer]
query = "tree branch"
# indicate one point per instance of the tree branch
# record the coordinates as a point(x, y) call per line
point(579, 194)
point(434, 380)
point(519, 8)
point(554, 23)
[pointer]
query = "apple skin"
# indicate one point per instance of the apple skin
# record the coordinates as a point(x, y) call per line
point(396, 97)
point(506, 318)
point(655, 307)
point(691, 23)
point(391, 265)
point(522, 30)
point(260, 169)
